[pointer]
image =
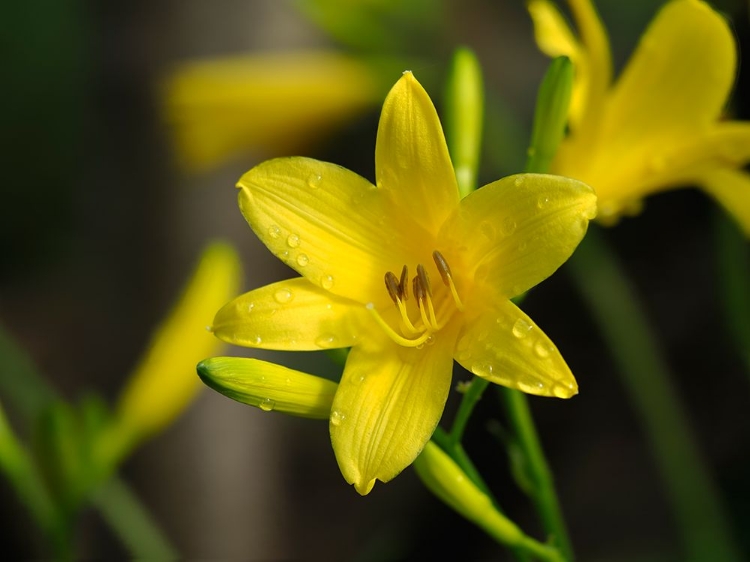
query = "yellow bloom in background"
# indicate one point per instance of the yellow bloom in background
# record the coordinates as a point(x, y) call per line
point(270, 103)
point(164, 383)
point(450, 267)
point(658, 126)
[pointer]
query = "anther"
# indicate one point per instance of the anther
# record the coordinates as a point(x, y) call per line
point(404, 283)
point(424, 279)
point(445, 273)
point(394, 289)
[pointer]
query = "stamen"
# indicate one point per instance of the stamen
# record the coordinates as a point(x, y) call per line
point(424, 300)
point(394, 289)
point(407, 325)
point(424, 280)
point(445, 272)
point(404, 283)
point(400, 340)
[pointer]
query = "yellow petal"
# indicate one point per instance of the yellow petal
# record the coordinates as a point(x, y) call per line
point(292, 315)
point(555, 38)
point(274, 102)
point(411, 157)
point(597, 70)
point(269, 386)
point(731, 188)
point(165, 383)
point(504, 346)
point(678, 79)
point(331, 225)
point(387, 406)
point(444, 478)
point(520, 229)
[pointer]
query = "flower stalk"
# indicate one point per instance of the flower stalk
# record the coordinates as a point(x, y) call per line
point(690, 490)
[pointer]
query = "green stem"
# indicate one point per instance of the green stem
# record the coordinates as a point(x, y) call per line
point(459, 456)
point(543, 489)
point(132, 522)
point(471, 397)
point(30, 395)
point(28, 484)
point(614, 306)
point(733, 266)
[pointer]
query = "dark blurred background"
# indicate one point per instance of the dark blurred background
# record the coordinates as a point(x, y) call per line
point(101, 226)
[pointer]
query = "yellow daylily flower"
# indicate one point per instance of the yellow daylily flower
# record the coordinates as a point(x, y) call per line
point(450, 267)
point(658, 126)
point(275, 102)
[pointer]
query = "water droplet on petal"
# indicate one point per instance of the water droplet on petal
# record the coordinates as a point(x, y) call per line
point(488, 230)
point(250, 307)
point(521, 328)
point(518, 182)
point(257, 340)
point(561, 391)
point(543, 349)
point(209, 328)
point(274, 231)
point(508, 226)
point(530, 385)
point(327, 282)
point(314, 181)
point(483, 369)
point(336, 418)
point(357, 378)
point(283, 296)
point(302, 260)
point(267, 404)
point(542, 202)
point(292, 241)
point(326, 341)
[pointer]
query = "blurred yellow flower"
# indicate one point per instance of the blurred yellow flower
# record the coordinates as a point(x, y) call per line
point(164, 383)
point(658, 127)
point(345, 236)
point(270, 103)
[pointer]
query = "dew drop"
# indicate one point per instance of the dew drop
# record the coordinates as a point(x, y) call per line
point(288, 381)
point(430, 340)
point(542, 202)
point(336, 418)
point(302, 260)
point(518, 182)
point(257, 340)
point(532, 386)
point(508, 226)
point(463, 343)
point(314, 181)
point(561, 391)
point(267, 404)
point(543, 349)
point(358, 379)
point(250, 307)
point(209, 328)
point(274, 231)
point(327, 282)
point(521, 328)
point(292, 241)
point(283, 296)
point(488, 230)
point(483, 369)
point(325, 341)
point(329, 306)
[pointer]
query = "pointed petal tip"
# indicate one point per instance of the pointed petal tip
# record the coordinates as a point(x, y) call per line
point(364, 487)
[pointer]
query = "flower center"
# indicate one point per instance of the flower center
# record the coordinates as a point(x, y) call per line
point(430, 310)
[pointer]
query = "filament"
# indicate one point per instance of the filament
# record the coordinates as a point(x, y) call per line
point(400, 340)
